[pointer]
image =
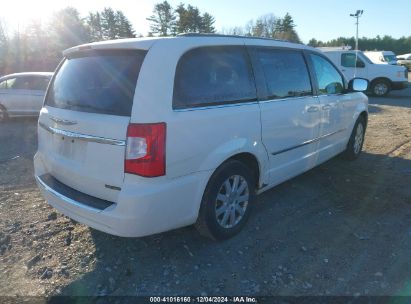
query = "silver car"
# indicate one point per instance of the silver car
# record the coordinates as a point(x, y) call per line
point(405, 60)
point(22, 94)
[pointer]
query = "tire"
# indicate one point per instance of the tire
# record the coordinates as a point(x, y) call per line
point(224, 213)
point(3, 114)
point(356, 141)
point(380, 87)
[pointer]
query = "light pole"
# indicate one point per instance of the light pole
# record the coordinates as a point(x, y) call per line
point(357, 15)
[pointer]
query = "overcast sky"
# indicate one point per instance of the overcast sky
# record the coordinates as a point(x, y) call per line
point(320, 19)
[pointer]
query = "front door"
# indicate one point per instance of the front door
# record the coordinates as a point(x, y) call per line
point(334, 107)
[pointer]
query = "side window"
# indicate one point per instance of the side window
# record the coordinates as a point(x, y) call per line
point(329, 79)
point(212, 76)
point(38, 83)
point(348, 61)
point(7, 84)
point(3, 85)
point(285, 72)
point(21, 83)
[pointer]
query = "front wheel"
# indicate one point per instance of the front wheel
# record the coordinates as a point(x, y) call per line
point(356, 141)
point(380, 87)
point(227, 201)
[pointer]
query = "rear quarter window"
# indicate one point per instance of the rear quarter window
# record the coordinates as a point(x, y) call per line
point(213, 76)
point(100, 81)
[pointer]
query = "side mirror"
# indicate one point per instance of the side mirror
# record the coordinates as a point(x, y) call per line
point(358, 85)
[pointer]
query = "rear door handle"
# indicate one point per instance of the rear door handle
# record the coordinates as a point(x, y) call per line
point(326, 107)
point(312, 109)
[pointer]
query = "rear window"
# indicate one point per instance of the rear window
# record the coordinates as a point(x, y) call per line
point(213, 76)
point(100, 81)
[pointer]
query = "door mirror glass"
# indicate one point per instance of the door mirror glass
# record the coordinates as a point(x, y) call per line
point(358, 85)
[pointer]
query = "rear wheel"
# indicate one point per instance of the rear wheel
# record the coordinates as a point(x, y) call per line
point(356, 141)
point(3, 114)
point(227, 201)
point(380, 87)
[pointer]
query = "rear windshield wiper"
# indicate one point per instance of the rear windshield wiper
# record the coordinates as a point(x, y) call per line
point(73, 104)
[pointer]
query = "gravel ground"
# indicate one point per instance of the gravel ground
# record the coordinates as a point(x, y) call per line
point(343, 228)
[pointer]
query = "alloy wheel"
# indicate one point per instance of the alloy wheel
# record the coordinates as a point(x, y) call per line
point(358, 139)
point(232, 201)
point(380, 89)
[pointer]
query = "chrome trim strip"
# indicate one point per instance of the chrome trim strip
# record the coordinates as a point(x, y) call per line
point(64, 198)
point(286, 99)
point(308, 142)
point(84, 137)
point(63, 121)
point(229, 105)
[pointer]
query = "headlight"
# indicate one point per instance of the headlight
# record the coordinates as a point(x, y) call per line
point(400, 74)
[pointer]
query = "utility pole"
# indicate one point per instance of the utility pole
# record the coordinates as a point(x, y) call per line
point(357, 15)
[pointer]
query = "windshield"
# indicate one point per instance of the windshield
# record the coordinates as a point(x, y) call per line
point(97, 82)
point(389, 58)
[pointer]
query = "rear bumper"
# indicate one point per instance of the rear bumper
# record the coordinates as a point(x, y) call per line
point(142, 208)
point(399, 85)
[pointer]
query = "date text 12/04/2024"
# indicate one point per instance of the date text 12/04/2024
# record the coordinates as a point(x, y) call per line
point(203, 299)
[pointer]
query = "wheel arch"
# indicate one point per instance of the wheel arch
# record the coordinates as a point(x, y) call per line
point(251, 161)
point(3, 107)
point(364, 114)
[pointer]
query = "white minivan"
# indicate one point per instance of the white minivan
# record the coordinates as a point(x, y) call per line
point(140, 136)
point(382, 77)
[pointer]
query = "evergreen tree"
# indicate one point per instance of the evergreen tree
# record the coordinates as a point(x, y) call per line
point(163, 19)
point(123, 26)
point(108, 24)
point(285, 29)
point(94, 26)
point(67, 28)
point(207, 24)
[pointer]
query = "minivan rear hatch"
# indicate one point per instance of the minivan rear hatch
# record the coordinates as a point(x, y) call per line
point(83, 124)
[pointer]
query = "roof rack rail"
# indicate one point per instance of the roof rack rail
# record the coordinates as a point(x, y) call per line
point(230, 36)
point(335, 48)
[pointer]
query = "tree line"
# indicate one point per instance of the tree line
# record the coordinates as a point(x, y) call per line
point(39, 46)
point(386, 43)
point(268, 26)
point(167, 21)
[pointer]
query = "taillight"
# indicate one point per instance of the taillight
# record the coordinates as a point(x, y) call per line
point(146, 149)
